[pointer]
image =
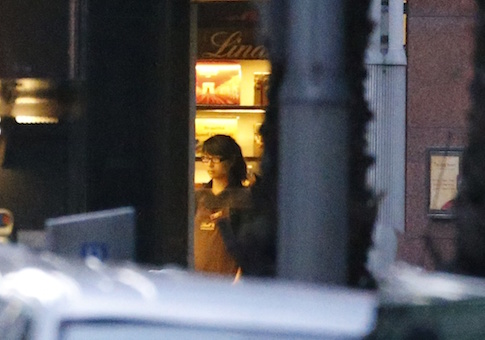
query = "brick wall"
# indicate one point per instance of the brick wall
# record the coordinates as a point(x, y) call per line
point(440, 49)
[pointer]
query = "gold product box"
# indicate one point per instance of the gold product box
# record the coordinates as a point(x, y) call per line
point(261, 85)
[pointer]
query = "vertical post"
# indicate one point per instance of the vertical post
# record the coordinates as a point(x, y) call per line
point(77, 199)
point(395, 54)
point(191, 148)
point(313, 134)
point(386, 94)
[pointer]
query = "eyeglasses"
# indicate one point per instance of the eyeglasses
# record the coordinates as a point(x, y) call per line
point(214, 159)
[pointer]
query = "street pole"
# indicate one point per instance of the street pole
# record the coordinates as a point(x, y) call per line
point(386, 95)
point(313, 159)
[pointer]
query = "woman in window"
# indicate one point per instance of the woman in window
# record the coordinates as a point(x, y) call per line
point(222, 205)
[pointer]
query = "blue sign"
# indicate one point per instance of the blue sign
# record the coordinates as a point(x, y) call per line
point(96, 249)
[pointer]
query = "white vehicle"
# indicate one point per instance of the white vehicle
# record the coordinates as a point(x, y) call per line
point(44, 297)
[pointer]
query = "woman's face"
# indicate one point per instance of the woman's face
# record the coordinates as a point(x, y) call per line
point(217, 167)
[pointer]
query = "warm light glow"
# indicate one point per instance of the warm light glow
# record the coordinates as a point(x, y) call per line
point(218, 83)
point(30, 100)
point(234, 111)
point(212, 69)
point(36, 120)
point(207, 127)
point(33, 84)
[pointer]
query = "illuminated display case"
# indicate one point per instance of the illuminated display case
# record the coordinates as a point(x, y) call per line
point(232, 73)
point(237, 109)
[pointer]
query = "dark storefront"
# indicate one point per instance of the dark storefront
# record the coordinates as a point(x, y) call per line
point(121, 76)
point(121, 137)
point(123, 132)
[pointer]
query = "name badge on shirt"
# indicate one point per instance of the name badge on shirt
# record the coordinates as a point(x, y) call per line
point(207, 226)
point(215, 215)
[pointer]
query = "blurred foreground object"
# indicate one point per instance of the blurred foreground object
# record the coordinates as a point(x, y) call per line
point(106, 234)
point(470, 201)
point(416, 304)
point(43, 296)
point(6, 225)
point(315, 125)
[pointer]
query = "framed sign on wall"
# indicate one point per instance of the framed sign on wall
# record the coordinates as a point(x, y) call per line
point(444, 171)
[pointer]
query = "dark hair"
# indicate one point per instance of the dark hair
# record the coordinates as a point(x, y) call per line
point(226, 147)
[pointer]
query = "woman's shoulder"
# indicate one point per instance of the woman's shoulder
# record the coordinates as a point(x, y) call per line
point(202, 192)
point(240, 197)
point(239, 191)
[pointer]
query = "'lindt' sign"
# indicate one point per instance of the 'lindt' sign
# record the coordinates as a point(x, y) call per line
point(230, 45)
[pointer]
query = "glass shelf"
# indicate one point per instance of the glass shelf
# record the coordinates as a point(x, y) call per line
point(231, 108)
point(247, 159)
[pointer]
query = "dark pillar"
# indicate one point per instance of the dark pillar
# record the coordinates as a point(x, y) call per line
point(33, 39)
point(138, 119)
point(33, 162)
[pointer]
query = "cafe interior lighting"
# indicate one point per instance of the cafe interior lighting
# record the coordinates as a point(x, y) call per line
point(209, 69)
point(35, 101)
point(36, 120)
point(237, 111)
point(30, 100)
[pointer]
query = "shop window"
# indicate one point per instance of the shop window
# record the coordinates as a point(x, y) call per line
point(232, 73)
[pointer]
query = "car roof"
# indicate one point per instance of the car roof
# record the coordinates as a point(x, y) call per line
point(407, 284)
point(57, 289)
